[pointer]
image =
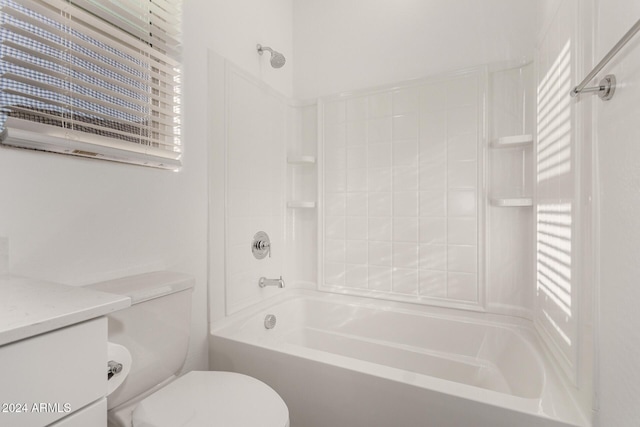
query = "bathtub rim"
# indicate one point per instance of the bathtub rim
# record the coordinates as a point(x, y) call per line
point(447, 313)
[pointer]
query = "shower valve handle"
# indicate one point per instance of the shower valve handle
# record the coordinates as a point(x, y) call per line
point(261, 246)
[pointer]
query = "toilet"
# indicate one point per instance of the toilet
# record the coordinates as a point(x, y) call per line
point(155, 331)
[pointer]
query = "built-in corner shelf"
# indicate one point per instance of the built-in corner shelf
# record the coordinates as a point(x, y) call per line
point(511, 202)
point(301, 160)
point(514, 141)
point(298, 159)
point(299, 204)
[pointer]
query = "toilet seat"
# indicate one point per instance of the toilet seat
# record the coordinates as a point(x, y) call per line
point(213, 399)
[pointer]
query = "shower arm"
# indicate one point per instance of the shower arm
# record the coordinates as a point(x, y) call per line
point(261, 49)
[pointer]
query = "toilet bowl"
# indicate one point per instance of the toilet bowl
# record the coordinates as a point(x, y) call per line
point(155, 331)
point(222, 399)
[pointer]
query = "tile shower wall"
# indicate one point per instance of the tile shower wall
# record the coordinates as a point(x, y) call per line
point(256, 118)
point(400, 188)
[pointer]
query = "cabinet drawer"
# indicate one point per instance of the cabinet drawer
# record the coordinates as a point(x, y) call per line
point(49, 376)
point(94, 415)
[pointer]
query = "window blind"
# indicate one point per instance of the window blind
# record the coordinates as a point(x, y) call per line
point(93, 78)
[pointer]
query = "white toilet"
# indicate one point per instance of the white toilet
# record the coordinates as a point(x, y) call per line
point(155, 330)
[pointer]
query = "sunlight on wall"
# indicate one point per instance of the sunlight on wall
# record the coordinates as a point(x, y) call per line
point(554, 114)
point(554, 263)
point(555, 294)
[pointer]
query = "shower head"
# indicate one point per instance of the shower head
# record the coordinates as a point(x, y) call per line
point(277, 59)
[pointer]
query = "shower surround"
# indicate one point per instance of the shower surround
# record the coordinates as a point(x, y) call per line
point(402, 213)
point(421, 196)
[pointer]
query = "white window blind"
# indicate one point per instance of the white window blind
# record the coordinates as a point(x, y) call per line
point(93, 78)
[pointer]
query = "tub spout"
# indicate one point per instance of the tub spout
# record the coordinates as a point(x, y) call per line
point(263, 282)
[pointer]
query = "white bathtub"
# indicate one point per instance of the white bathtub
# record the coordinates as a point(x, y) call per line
point(341, 361)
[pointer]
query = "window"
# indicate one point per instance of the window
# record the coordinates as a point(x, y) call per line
point(92, 78)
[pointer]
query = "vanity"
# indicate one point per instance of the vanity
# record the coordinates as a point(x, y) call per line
point(53, 353)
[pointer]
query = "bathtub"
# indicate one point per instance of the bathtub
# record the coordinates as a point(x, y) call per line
point(343, 361)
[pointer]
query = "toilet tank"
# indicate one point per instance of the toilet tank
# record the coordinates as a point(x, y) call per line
point(155, 329)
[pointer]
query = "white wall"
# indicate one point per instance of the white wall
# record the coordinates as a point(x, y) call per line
point(618, 133)
point(78, 221)
point(233, 28)
point(344, 45)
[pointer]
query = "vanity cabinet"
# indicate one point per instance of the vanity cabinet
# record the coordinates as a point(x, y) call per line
point(53, 353)
point(53, 375)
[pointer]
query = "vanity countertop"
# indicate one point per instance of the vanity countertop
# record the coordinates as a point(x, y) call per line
point(30, 307)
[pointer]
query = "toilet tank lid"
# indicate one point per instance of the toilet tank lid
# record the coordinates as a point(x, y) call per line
point(143, 287)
